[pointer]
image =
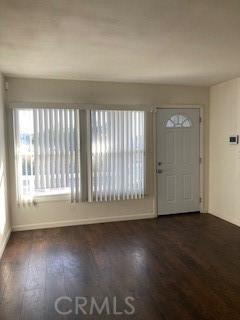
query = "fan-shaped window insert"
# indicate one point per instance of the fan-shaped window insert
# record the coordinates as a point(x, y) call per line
point(178, 121)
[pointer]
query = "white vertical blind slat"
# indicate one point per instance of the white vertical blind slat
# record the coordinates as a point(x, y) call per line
point(143, 153)
point(105, 157)
point(36, 148)
point(112, 176)
point(108, 142)
point(17, 155)
point(52, 152)
point(101, 157)
point(125, 154)
point(77, 155)
point(134, 155)
point(66, 144)
point(101, 181)
point(71, 133)
point(117, 154)
point(97, 158)
point(121, 155)
point(57, 150)
point(128, 156)
point(62, 149)
point(131, 155)
point(42, 149)
point(137, 155)
point(46, 142)
point(92, 156)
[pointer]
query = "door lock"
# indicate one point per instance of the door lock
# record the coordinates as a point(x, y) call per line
point(159, 171)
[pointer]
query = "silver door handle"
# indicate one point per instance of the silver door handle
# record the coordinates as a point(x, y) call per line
point(159, 171)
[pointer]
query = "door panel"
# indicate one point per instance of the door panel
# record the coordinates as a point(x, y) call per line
point(170, 148)
point(171, 188)
point(178, 160)
point(187, 187)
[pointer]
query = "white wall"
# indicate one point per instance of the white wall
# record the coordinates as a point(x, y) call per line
point(60, 213)
point(224, 159)
point(4, 214)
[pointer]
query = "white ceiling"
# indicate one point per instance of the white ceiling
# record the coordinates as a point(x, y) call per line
point(194, 42)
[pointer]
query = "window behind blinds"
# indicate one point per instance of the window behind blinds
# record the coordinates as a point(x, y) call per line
point(47, 149)
point(117, 149)
point(66, 151)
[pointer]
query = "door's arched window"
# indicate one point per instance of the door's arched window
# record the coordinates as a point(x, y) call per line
point(178, 121)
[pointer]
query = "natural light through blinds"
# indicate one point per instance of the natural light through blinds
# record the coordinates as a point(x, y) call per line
point(47, 146)
point(97, 155)
point(118, 153)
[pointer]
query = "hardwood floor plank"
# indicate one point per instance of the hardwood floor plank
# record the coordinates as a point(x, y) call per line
point(176, 267)
point(33, 305)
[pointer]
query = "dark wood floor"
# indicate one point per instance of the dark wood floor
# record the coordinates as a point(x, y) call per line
point(177, 267)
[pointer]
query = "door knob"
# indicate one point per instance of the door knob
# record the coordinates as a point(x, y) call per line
point(159, 171)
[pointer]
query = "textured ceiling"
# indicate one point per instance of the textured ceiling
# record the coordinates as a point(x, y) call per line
point(193, 42)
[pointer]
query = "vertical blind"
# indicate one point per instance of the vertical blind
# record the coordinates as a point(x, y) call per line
point(118, 153)
point(50, 144)
point(24, 155)
point(48, 157)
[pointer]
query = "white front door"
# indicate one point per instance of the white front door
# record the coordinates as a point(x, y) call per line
point(178, 159)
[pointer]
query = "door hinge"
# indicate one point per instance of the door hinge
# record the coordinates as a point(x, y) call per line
point(6, 85)
point(200, 199)
point(200, 119)
point(200, 160)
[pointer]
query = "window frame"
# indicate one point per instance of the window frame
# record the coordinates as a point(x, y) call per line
point(145, 177)
point(44, 197)
point(55, 197)
point(179, 125)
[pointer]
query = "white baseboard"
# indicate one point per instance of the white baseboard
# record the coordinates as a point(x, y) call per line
point(5, 241)
point(65, 223)
point(227, 219)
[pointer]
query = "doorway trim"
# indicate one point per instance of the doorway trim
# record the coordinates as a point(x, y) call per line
point(201, 151)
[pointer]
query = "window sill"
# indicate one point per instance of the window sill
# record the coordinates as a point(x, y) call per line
point(52, 198)
point(67, 197)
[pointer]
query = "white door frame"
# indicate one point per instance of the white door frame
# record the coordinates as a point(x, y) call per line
point(201, 151)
